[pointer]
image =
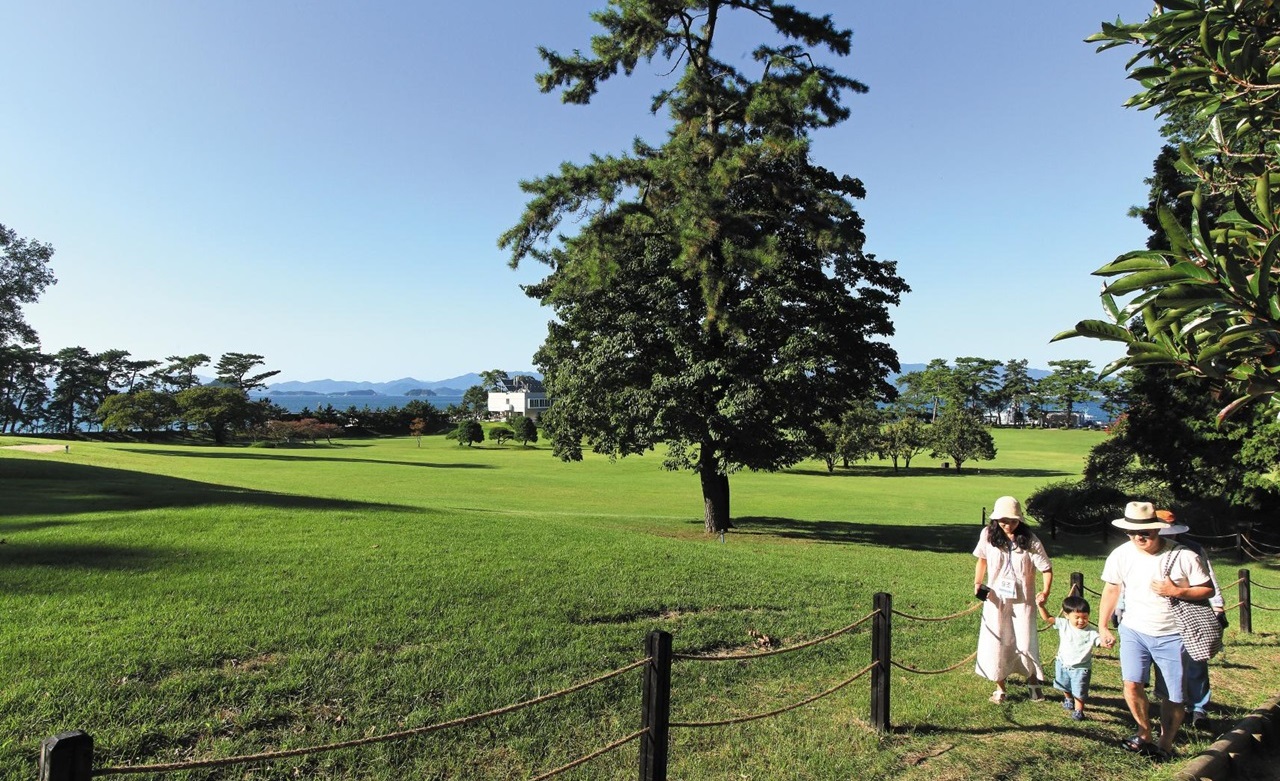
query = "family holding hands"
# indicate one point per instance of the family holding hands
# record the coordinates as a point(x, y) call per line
point(1166, 588)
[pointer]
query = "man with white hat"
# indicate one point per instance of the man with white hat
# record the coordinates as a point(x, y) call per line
point(1148, 632)
point(1195, 673)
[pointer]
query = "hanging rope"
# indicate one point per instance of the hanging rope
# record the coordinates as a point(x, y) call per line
point(788, 649)
point(917, 671)
point(591, 756)
point(964, 612)
point(401, 735)
point(802, 703)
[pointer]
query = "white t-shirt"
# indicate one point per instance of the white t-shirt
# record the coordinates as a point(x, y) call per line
point(1144, 610)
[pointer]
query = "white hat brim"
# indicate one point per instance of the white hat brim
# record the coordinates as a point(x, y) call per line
point(1171, 529)
point(1128, 525)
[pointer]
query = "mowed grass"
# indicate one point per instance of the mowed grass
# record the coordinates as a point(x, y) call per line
point(184, 603)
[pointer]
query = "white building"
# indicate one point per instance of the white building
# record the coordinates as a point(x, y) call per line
point(521, 395)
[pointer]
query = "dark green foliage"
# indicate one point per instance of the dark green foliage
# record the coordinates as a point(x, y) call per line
point(501, 434)
point(220, 410)
point(716, 295)
point(1169, 441)
point(147, 411)
point(24, 275)
point(1080, 504)
point(235, 369)
point(524, 429)
point(468, 432)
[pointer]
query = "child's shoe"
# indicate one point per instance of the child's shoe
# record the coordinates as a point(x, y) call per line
point(1077, 715)
point(1036, 694)
point(1068, 704)
point(997, 696)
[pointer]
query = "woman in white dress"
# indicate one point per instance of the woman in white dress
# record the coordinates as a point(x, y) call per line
point(1008, 557)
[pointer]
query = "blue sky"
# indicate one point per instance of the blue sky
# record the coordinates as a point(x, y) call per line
point(323, 183)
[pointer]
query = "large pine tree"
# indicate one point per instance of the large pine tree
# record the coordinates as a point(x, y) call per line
point(716, 295)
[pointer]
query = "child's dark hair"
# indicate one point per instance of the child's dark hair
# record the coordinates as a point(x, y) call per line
point(1074, 604)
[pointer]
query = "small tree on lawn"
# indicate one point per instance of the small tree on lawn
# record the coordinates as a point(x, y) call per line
point(417, 427)
point(501, 434)
point(524, 429)
point(960, 436)
point(468, 432)
point(903, 439)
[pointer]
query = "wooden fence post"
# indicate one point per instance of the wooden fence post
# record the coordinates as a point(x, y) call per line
point(655, 701)
point(1246, 603)
point(67, 756)
point(1077, 585)
point(881, 647)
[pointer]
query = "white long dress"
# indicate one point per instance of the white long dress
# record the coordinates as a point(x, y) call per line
point(1007, 640)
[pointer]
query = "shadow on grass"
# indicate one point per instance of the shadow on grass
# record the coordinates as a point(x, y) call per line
point(267, 455)
point(864, 470)
point(51, 488)
point(939, 538)
point(936, 538)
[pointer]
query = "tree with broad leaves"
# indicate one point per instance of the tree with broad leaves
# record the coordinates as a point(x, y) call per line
point(24, 275)
point(1206, 301)
point(147, 411)
point(958, 434)
point(903, 439)
point(222, 411)
point(716, 295)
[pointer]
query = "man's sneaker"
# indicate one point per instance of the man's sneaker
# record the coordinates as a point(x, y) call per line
point(1068, 704)
point(1198, 718)
point(1077, 715)
point(1036, 694)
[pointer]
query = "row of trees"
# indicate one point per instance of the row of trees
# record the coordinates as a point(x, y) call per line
point(867, 430)
point(1005, 392)
point(75, 389)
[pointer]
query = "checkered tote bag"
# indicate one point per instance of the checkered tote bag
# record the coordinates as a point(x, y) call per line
point(1201, 632)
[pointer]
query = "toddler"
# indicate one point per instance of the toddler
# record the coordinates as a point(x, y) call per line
point(1074, 663)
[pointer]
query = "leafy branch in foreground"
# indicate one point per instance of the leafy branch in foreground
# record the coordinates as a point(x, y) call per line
point(1208, 302)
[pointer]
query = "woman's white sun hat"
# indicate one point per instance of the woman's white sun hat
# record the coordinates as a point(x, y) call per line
point(1139, 516)
point(1007, 507)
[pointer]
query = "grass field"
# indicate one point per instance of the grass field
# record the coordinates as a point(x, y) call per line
point(185, 602)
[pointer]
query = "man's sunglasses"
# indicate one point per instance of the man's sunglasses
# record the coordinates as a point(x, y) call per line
point(1142, 535)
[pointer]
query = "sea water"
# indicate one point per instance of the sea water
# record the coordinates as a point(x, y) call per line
point(342, 402)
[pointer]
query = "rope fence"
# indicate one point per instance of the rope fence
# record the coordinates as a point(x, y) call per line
point(69, 756)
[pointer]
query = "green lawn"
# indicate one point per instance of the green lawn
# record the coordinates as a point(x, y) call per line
point(182, 602)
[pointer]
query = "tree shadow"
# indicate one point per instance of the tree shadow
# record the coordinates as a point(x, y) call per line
point(938, 538)
point(866, 470)
point(935, 538)
point(52, 488)
point(257, 455)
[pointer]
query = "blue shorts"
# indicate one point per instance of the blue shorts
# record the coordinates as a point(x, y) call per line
point(1138, 652)
point(1073, 680)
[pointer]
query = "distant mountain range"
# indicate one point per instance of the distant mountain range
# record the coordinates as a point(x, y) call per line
point(407, 386)
point(453, 386)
